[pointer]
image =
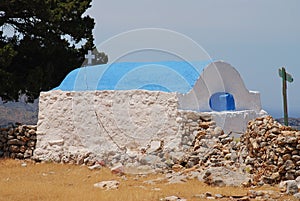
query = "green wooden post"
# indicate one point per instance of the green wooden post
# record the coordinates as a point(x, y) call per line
point(285, 77)
point(284, 88)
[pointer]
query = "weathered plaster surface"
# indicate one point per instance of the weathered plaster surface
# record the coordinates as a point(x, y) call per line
point(100, 121)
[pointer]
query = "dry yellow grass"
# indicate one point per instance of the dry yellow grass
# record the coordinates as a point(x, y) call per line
point(49, 182)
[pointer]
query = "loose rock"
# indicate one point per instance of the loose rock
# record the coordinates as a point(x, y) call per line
point(172, 198)
point(108, 185)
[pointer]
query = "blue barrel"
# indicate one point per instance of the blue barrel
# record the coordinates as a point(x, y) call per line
point(222, 101)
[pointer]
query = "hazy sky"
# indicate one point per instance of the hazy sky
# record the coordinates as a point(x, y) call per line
point(256, 36)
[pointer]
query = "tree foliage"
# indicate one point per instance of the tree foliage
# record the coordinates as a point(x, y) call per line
point(40, 42)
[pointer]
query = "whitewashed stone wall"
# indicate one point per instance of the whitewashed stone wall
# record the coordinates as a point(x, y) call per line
point(111, 125)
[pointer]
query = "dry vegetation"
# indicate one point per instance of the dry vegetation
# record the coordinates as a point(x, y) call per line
point(69, 182)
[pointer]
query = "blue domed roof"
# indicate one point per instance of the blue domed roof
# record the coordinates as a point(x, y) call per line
point(168, 76)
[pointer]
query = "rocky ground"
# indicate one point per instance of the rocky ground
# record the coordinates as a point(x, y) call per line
point(28, 180)
point(268, 153)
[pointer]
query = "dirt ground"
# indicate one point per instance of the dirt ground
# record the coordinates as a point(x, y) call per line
point(64, 182)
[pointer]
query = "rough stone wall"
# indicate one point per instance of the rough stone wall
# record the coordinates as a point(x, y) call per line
point(17, 142)
point(267, 153)
point(191, 123)
point(272, 151)
point(113, 126)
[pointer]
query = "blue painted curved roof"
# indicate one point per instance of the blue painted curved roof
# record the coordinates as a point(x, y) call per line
point(168, 76)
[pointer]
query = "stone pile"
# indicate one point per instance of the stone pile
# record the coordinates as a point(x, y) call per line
point(191, 123)
point(211, 148)
point(17, 141)
point(213, 157)
point(271, 151)
point(267, 152)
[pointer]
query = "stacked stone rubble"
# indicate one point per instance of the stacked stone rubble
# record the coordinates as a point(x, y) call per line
point(17, 141)
point(211, 147)
point(213, 156)
point(269, 151)
point(191, 123)
point(272, 151)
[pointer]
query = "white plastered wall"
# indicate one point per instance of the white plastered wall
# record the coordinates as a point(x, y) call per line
point(104, 121)
point(219, 77)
